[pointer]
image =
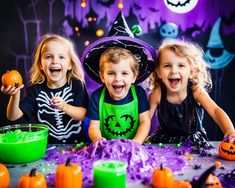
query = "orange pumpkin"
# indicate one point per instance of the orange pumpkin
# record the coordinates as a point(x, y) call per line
point(12, 78)
point(162, 178)
point(32, 180)
point(68, 175)
point(227, 150)
point(182, 184)
point(213, 182)
point(4, 176)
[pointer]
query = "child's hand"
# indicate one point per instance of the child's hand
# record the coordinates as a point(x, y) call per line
point(58, 103)
point(11, 90)
point(230, 136)
point(136, 140)
point(97, 144)
point(100, 141)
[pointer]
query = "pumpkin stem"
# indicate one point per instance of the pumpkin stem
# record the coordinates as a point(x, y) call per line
point(32, 172)
point(68, 162)
point(161, 166)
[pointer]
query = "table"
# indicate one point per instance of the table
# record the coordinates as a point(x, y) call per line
point(194, 161)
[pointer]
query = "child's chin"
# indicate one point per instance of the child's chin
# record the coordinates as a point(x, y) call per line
point(118, 97)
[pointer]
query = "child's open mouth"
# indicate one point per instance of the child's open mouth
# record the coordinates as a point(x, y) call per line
point(118, 88)
point(174, 81)
point(55, 71)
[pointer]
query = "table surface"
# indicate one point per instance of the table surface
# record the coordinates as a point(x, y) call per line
point(17, 170)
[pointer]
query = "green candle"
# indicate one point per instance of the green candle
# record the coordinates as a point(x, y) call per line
point(109, 174)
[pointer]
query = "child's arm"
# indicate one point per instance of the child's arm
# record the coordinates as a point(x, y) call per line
point(75, 112)
point(144, 127)
point(154, 99)
point(94, 130)
point(218, 114)
point(13, 110)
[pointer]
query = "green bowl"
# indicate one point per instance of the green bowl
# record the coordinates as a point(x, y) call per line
point(23, 143)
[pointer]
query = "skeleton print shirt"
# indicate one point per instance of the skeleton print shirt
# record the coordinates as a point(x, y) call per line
point(63, 129)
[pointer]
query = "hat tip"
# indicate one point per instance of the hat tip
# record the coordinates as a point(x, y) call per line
point(120, 27)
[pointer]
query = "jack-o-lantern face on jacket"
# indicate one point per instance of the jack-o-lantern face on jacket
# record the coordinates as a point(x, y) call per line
point(119, 126)
point(227, 150)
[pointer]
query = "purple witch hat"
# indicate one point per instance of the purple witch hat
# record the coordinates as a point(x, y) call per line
point(119, 36)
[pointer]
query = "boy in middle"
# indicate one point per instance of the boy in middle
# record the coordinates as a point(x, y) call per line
point(115, 109)
point(119, 109)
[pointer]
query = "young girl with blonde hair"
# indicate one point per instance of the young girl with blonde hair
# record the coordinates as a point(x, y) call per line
point(57, 95)
point(179, 94)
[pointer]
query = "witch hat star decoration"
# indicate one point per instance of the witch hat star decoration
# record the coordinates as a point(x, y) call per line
point(119, 36)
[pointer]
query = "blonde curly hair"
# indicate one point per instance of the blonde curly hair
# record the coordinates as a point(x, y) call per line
point(37, 76)
point(195, 56)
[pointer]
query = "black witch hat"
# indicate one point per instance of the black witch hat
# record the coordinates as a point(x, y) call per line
point(119, 36)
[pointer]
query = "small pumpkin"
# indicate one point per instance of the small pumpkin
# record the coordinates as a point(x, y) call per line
point(213, 181)
point(227, 150)
point(4, 176)
point(32, 180)
point(68, 175)
point(162, 178)
point(182, 184)
point(12, 78)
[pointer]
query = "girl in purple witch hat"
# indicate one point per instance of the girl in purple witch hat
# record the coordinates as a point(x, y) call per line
point(119, 108)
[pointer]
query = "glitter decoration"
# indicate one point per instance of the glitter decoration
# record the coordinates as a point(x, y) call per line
point(178, 145)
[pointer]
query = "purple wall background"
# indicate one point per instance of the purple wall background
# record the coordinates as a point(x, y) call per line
point(23, 22)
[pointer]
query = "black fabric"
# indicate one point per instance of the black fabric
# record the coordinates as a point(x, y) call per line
point(180, 119)
point(63, 129)
point(180, 122)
